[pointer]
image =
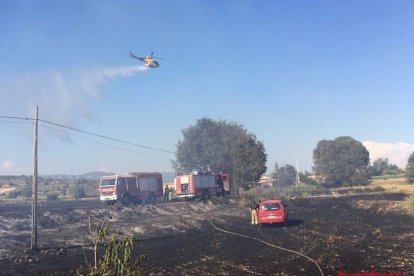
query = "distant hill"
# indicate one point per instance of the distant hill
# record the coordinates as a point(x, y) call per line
point(88, 176)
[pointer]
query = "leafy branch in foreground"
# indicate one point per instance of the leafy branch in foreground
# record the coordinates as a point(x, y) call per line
point(116, 259)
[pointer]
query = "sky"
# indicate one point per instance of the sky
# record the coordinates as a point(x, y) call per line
point(291, 72)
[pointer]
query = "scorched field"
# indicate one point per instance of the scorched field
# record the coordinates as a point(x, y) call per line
point(358, 233)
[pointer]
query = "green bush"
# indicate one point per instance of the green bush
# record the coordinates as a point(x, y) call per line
point(117, 258)
point(52, 197)
point(409, 170)
point(14, 194)
point(27, 191)
point(78, 192)
point(256, 194)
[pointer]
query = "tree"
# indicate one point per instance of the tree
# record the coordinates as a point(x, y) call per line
point(409, 170)
point(307, 178)
point(382, 166)
point(341, 161)
point(220, 146)
point(392, 170)
point(27, 190)
point(285, 176)
point(275, 174)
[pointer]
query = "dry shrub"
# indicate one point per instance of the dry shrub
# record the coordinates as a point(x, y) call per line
point(246, 198)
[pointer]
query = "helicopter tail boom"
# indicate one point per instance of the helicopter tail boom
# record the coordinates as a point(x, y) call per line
point(131, 55)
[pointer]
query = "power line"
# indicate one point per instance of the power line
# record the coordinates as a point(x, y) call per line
point(89, 133)
point(106, 137)
point(14, 122)
point(109, 145)
point(17, 118)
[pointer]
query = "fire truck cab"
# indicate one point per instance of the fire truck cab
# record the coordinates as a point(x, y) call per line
point(134, 187)
point(196, 185)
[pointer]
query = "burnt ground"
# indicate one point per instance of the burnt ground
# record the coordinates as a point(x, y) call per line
point(352, 234)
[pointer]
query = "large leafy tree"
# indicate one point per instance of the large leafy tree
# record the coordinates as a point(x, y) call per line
point(220, 146)
point(409, 170)
point(341, 161)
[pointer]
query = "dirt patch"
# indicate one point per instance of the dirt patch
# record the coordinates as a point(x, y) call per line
point(4, 190)
point(353, 233)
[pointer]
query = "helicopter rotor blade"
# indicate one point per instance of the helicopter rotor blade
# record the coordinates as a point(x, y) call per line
point(158, 58)
point(152, 56)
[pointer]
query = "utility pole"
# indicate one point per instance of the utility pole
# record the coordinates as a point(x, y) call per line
point(297, 173)
point(34, 184)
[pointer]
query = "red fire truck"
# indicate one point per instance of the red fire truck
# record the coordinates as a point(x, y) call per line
point(196, 185)
point(135, 187)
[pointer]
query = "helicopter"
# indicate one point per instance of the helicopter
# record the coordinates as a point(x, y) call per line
point(149, 61)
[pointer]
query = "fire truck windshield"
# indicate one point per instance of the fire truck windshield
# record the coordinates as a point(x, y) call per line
point(107, 182)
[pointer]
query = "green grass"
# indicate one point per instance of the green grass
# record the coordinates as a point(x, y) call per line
point(409, 202)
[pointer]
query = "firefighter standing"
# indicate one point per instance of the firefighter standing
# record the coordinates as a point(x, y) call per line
point(166, 193)
point(170, 193)
point(254, 209)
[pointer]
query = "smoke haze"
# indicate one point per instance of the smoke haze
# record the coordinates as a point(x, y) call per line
point(61, 96)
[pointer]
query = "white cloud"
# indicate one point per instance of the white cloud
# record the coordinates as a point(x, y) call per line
point(397, 153)
point(8, 166)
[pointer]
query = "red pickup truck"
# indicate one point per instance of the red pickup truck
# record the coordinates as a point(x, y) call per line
point(273, 211)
